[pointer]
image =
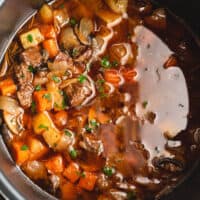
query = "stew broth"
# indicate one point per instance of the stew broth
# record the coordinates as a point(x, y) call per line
point(95, 103)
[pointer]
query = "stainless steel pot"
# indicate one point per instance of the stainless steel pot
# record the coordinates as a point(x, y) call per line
point(14, 184)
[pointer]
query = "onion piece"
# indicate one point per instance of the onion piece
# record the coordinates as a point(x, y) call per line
point(4, 67)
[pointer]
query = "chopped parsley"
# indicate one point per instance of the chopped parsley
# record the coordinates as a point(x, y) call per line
point(82, 78)
point(144, 104)
point(88, 129)
point(67, 133)
point(47, 96)
point(56, 79)
point(37, 87)
point(65, 101)
point(73, 154)
point(33, 107)
point(24, 147)
point(94, 123)
point(105, 63)
point(42, 126)
point(32, 69)
point(108, 171)
point(74, 52)
point(100, 87)
point(131, 195)
point(30, 38)
point(73, 21)
point(115, 64)
point(82, 174)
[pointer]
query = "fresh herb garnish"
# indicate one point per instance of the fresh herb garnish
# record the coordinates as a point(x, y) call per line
point(105, 63)
point(37, 87)
point(115, 63)
point(131, 196)
point(24, 147)
point(82, 174)
point(82, 78)
point(73, 154)
point(47, 96)
point(30, 38)
point(73, 21)
point(56, 79)
point(67, 133)
point(100, 87)
point(32, 69)
point(94, 123)
point(65, 101)
point(144, 104)
point(33, 107)
point(108, 171)
point(74, 52)
point(42, 126)
point(88, 129)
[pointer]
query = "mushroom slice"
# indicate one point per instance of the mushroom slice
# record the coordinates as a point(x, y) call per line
point(118, 6)
point(12, 114)
point(83, 31)
point(61, 18)
point(172, 165)
point(68, 39)
point(14, 122)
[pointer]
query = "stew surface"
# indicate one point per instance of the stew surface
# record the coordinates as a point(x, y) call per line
point(95, 102)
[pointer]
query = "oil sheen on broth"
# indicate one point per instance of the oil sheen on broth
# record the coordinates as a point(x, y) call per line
point(94, 100)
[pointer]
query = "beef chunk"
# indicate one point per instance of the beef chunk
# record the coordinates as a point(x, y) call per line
point(25, 95)
point(32, 56)
point(78, 93)
point(25, 79)
point(23, 74)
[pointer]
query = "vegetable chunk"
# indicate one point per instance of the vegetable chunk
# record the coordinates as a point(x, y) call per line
point(31, 38)
point(72, 172)
point(20, 152)
point(55, 164)
point(7, 87)
point(88, 181)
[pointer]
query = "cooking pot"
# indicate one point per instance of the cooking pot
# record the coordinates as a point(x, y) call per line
point(14, 184)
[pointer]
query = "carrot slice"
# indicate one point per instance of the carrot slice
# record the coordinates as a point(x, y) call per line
point(68, 191)
point(128, 74)
point(43, 100)
point(20, 152)
point(88, 181)
point(172, 61)
point(99, 116)
point(55, 164)
point(51, 47)
point(112, 76)
point(48, 31)
point(7, 87)
point(72, 172)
